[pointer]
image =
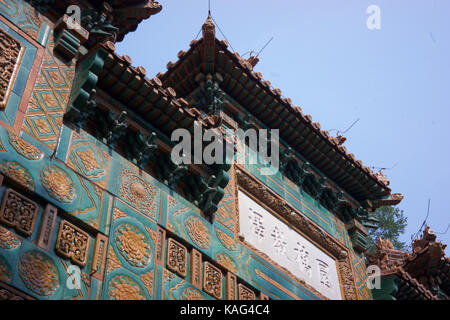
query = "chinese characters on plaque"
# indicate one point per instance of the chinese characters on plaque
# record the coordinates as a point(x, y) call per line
point(288, 248)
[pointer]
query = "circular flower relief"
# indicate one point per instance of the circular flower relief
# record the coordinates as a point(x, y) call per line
point(198, 231)
point(133, 245)
point(58, 184)
point(38, 273)
point(125, 288)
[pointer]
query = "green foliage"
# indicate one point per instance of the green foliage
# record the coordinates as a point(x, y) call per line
point(392, 224)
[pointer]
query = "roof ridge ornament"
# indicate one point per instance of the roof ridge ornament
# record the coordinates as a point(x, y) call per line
point(209, 31)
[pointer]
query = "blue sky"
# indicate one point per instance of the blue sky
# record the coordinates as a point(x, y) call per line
point(395, 80)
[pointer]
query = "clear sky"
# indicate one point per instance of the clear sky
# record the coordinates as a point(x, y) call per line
point(396, 80)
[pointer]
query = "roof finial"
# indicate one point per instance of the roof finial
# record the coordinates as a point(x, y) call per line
point(209, 31)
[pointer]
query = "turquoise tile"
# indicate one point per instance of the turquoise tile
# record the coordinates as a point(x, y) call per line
point(28, 57)
point(12, 107)
point(21, 80)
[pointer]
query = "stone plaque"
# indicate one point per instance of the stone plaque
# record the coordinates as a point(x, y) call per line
point(288, 248)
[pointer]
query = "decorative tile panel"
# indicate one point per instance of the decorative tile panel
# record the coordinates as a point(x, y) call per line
point(212, 280)
point(10, 57)
point(138, 192)
point(177, 257)
point(246, 293)
point(19, 212)
point(73, 243)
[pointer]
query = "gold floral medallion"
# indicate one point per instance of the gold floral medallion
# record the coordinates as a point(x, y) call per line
point(133, 244)
point(198, 231)
point(58, 184)
point(125, 288)
point(39, 273)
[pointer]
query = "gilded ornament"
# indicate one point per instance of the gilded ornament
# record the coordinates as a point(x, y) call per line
point(58, 184)
point(177, 257)
point(19, 212)
point(198, 231)
point(10, 56)
point(212, 280)
point(72, 243)
point(17, 173)
point(42, 126)
point(133, 245)
point(246, 293)
point(117, 214)
point(5, 273)
point(24, 148)
point(38, 273)
point(227, 241)
point(191, 294)
point(125, 288)
point(89, 160)
point(226, 261)
point(147, 279)
point(8, 240)
point(113, 261)
point(138, 192)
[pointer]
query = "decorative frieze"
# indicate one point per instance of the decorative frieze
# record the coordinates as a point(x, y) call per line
point(10, 56)
point(72, 243)
point(246, 293)
point(177, 257)
point(47, 226)
point(19, 212)
point(212, 280)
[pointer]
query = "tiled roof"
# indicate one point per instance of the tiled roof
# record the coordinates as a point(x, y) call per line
point(425, 268)
point(240, 81)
